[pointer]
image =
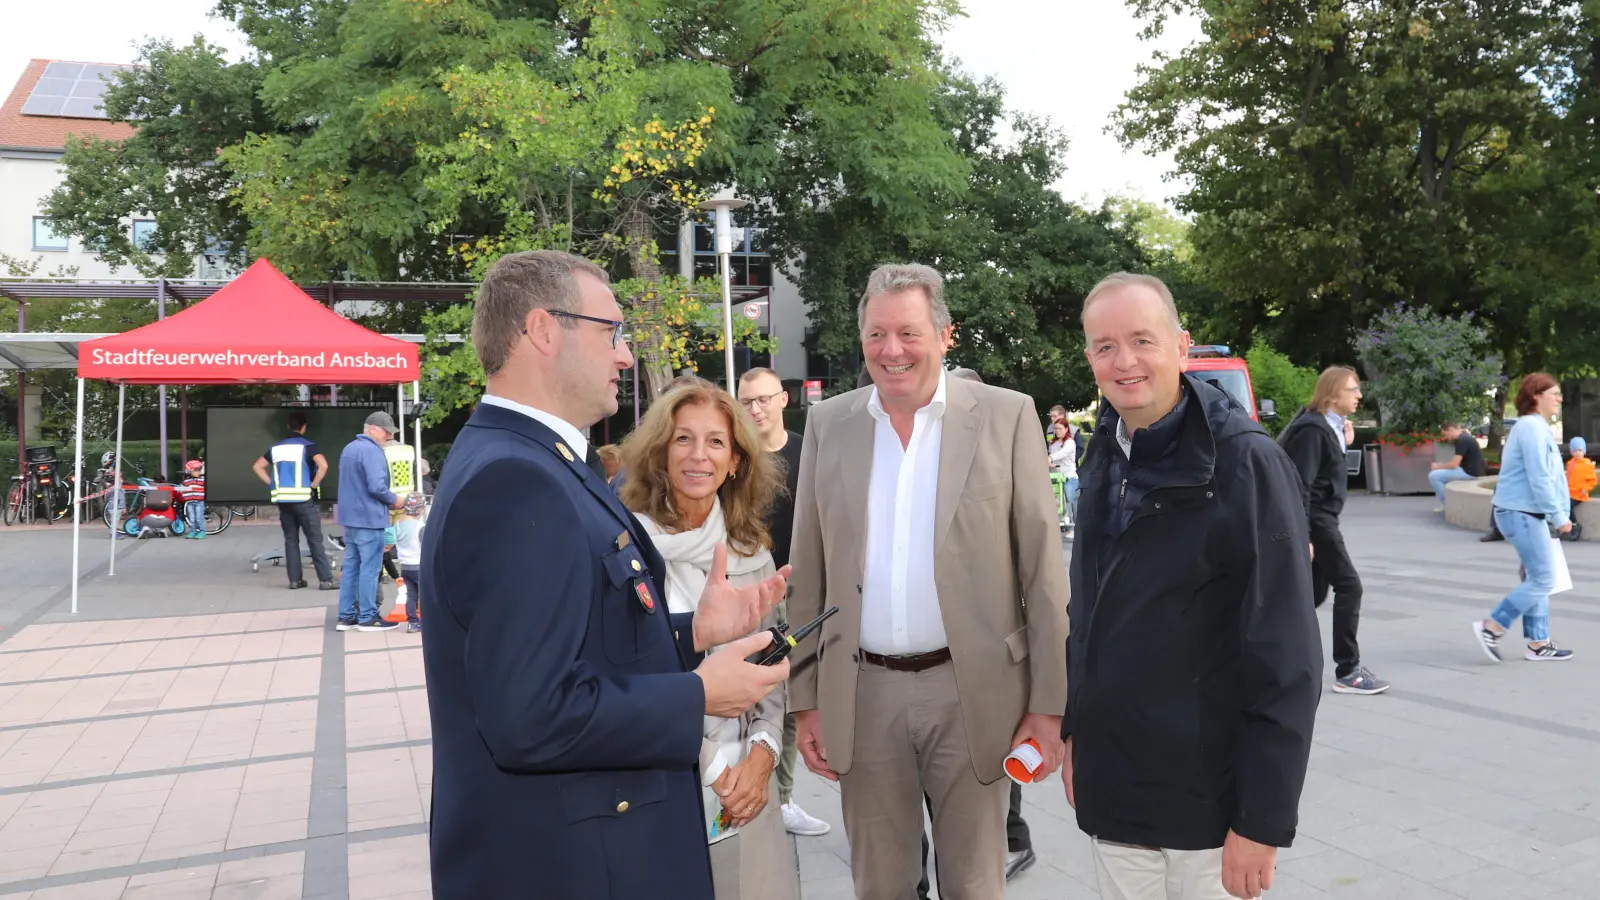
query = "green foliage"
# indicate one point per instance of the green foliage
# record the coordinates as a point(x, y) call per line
point(188, 102)
point(1161, 233)
point(1018, 259)
point(1427, 369)
point(1345, 157)
point(1274, 376)
point(146, 454)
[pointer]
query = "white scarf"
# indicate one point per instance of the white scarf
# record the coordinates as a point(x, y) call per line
point(688, 558)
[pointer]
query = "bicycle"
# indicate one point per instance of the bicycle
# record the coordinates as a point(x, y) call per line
point(15, 496)
point(39, 494)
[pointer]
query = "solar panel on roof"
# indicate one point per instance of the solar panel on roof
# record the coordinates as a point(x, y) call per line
point(73, 90)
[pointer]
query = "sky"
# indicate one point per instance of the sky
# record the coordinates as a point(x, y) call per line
point(1068, 60)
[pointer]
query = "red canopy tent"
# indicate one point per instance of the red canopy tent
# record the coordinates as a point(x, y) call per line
point(260, 329)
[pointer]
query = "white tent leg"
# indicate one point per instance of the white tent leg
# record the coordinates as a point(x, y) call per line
point(77, 495)
point(116, 514)
point(416, 422)
point(400, 410)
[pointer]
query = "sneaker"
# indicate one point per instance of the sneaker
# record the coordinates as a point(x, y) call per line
point(1548, 652)
point(1491, 537)
point(345, 625)
point(798, 821)
point(297, 585)
point(377, 625)
point(328, 586)
point(413, 628)
point(1488, 640)
point(1360, 681)
point(1437, 510)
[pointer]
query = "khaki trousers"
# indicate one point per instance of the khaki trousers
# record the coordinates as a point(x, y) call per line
point(1139, 873)
point(911, 741)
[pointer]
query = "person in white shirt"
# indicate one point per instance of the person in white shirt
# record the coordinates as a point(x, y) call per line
point(924, 513)
point(1064, 465)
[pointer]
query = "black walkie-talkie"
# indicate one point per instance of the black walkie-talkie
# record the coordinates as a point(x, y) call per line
point(783, 643)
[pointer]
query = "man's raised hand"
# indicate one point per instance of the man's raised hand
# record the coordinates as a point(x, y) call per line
point(726, 612)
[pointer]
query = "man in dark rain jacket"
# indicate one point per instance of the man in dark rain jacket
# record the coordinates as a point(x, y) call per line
point(1194, 662)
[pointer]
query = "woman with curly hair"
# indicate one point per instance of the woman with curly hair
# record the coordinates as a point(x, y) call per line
point(698, 477)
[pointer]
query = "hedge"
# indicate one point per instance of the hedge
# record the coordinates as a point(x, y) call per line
point(146, 454)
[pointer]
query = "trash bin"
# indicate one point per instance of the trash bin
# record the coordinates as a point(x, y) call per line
point(1374, 466)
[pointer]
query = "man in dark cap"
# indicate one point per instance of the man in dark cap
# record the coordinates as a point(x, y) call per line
point(364, 503)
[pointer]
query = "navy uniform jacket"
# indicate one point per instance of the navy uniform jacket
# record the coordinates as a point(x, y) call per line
point(566, 722)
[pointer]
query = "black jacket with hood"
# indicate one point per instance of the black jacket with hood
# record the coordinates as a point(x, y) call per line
point(1318, 455)
point(1194, 660)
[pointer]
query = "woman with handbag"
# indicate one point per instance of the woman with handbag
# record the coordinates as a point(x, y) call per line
point(1531, 508)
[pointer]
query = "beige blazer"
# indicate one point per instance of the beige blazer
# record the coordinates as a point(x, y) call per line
point(999, 569)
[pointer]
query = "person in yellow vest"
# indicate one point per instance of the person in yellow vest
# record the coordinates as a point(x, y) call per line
point(294, 468)
point(402, 482)
point(402, 471)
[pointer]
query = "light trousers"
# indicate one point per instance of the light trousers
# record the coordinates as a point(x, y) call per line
point(1140, 873)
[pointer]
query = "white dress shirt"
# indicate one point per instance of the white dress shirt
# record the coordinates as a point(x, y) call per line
point(900, 602)
point(1336, 422)
point(565, 430)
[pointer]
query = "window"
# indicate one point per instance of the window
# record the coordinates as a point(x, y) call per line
point(144, 230)
point(44, 238)
point(1230, 380)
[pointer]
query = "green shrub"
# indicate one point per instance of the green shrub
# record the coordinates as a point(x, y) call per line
point(1427, 369)
point(1275, 377)
point(146, 454)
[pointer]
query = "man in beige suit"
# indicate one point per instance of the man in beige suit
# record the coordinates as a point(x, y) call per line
point(924, 512)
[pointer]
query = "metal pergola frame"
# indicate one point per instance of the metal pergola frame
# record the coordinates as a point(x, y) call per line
point(187, 291)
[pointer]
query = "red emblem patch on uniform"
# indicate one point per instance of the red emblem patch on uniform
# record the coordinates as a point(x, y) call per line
point(645, 600)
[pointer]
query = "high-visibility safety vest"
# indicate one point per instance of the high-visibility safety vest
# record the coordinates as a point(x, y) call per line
point(291, 471)
point(402, 478)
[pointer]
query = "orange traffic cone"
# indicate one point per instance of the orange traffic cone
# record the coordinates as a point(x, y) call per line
point(398, 612)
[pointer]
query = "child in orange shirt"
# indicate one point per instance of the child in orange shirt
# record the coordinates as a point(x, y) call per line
point(1580, 471)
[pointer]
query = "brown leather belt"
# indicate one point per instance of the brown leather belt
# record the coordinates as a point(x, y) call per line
point(916, 662)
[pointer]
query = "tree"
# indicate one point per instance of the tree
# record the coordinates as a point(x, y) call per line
point(1347, 156)
point(188, 102)
point(1018, 259)
point(1429, 369)
point(402, 141)
point(1275, 376)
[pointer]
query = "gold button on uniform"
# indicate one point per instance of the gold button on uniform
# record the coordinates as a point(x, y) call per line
point(636, 566)
point(622, 807)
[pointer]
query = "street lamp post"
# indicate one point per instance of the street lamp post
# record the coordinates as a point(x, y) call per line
point(723, 206)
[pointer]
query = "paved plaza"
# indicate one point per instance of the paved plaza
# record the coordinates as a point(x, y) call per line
point(198, 731)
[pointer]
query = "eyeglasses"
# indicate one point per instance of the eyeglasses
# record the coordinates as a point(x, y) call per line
point(763, 402)
point(613, 324)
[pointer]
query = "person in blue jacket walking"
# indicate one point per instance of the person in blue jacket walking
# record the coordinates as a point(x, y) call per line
point(1531, 506)
point(364, 504)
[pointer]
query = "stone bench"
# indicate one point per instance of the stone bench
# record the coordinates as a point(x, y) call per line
point(1469, 504)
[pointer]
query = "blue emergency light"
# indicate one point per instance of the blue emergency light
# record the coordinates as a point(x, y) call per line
point(1210, 350)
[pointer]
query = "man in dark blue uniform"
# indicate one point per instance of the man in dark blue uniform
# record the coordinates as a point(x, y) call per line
point(566, 702)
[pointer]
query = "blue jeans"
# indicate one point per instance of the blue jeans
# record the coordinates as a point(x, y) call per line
point(1441, 477)
point(363, 560)
point(1531, 598)
point(194, 513)
point(1072, 497)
